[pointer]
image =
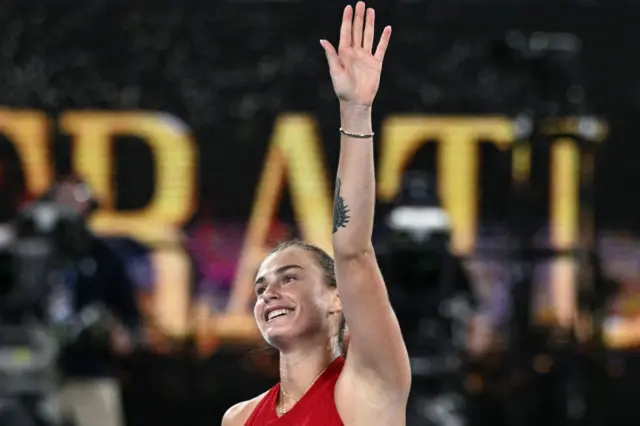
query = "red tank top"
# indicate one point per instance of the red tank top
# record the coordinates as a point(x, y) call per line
point(316, 408)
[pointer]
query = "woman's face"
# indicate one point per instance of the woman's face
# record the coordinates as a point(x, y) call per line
point(293, 300)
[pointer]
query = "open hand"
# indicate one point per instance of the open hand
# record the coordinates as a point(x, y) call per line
point(355, 70)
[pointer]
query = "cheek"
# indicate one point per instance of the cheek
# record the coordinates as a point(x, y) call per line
point(314, 308)
point(256, 311)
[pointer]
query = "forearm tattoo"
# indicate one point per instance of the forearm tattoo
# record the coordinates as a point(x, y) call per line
point(340, 210)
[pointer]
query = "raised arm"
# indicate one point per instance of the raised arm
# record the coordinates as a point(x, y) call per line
point(376, 349)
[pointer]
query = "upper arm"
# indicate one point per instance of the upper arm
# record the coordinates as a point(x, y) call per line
point(377, 352)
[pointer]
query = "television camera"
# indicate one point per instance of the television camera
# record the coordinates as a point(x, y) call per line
point(432, 298)
point(36, 321)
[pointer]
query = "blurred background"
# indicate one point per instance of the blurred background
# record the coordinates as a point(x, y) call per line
point(152, 153)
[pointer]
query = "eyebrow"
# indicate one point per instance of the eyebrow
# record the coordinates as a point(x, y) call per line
point(278, 271)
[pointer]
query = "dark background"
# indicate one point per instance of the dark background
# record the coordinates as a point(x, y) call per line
point(227, 69)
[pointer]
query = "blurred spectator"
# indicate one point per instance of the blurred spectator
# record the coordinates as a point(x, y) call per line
point(90, 394)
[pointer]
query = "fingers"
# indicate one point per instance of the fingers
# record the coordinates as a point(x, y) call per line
point(358, 25)
point(332, 55)
point(345, 29)
point(358, 31)
point(369, 30)
point(383, 44)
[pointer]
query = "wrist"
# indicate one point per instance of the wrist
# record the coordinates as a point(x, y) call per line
point(355, 118)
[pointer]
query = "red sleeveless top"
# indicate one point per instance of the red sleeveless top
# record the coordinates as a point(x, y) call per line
point(316, 408)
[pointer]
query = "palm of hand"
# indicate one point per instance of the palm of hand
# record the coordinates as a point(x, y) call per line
point(359, 78)
point(355, 71)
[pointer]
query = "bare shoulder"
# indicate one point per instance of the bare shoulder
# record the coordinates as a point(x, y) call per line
point(238, 414)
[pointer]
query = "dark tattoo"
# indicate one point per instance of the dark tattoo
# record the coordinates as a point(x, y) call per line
point(340, 209)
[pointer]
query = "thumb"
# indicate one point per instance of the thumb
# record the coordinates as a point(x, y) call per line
point(332, 56)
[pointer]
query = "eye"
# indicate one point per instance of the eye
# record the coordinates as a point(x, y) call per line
point(289, 278)
point(259, 290)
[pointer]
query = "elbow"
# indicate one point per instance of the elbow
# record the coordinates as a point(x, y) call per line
point(406, 379)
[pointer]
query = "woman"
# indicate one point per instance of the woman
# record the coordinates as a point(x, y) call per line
point(303, 298)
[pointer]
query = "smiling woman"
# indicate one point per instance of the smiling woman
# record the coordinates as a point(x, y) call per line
point(313, 266)
point(304, 297)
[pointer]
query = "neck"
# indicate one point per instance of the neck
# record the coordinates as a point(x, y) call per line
point(298, 369)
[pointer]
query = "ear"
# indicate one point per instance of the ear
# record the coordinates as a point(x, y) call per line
point(335, 306)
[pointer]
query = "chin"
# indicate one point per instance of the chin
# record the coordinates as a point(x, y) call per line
point(276, 336)
point(279, 335)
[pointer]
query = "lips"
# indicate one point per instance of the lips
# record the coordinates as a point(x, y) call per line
point(273, 312)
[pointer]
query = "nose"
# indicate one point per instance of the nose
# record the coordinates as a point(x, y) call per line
point(270, 293)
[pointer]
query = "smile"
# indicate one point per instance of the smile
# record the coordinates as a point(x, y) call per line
point(278, 313)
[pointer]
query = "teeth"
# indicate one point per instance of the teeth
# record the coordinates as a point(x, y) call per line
point(277, 313)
